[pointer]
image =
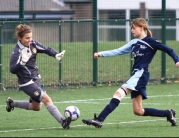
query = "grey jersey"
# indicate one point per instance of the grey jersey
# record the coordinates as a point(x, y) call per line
point(30, 70)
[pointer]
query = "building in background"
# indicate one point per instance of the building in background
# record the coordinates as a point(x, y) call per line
point(34, 10)
point(130, 9)
point(46, 9)
point(107, 9)
point(43, 10)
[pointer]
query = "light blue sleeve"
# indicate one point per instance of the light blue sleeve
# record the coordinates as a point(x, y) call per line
point(120, 51)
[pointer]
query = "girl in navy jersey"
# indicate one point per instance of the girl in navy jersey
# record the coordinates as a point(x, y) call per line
point(143, 48)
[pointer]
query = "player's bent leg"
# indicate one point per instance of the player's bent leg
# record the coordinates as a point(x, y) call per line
point(138, 110)
point(18, 104)
point(169, 114)
point(137, 105)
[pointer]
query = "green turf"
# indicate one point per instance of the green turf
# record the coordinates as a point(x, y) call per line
point(121, 123)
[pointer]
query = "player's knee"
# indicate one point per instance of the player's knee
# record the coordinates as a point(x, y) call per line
point(120, 94)
point(138, 112)
point(46, 100)
point(36, 107)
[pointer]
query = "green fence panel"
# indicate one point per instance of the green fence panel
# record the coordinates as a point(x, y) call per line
point(77, 37)
point(78, 60)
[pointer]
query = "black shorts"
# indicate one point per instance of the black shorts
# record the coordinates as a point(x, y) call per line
point(34, 91)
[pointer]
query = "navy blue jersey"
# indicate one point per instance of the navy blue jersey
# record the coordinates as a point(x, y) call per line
point(143, 51)
point(30, 70)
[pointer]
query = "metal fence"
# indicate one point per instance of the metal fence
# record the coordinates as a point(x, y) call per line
point(81, 39)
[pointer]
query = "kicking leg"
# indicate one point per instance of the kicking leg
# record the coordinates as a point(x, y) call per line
point(53, 110)
point(97, 121)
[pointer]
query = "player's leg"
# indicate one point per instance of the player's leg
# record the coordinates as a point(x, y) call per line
point(137, 105)
point(139, 110)
point(125, 89)
point(53, 110)
point(25, 104)
point(16, 103)
point(115, 101)
point(37, 95)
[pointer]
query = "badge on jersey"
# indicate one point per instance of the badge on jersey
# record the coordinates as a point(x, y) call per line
point(34, 50)
point(36, 93)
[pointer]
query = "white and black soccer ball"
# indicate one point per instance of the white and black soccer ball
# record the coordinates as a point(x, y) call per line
point(72, 111)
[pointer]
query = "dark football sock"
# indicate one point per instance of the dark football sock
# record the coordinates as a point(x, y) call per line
point(156, 112)
point(108, 109)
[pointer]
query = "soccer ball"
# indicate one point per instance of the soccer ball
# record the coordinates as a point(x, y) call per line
point(72, 111)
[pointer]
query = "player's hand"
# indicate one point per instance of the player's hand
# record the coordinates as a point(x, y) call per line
point(96, 55)
point(177, 64)
point(59, 56)
point(25, 55)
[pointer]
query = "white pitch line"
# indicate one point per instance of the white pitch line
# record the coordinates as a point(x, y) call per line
point(122, 103)
point(87, 100)
point(81, 101)
point(32, 129)
point(90, 101)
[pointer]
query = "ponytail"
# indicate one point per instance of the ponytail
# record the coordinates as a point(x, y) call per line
point(149, 33)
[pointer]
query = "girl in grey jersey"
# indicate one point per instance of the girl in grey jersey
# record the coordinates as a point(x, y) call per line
point(23, 64)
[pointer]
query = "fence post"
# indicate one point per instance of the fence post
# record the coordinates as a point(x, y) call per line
point(21, 10)
point(60, 49)
point(163, 75)
point(95, 43)
point(0, 61)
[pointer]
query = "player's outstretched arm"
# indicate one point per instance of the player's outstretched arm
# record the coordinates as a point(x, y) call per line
point(59, 56)
point(96, 55)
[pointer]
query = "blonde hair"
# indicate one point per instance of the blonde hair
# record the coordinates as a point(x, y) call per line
point(141, 23)
point(21, 30)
